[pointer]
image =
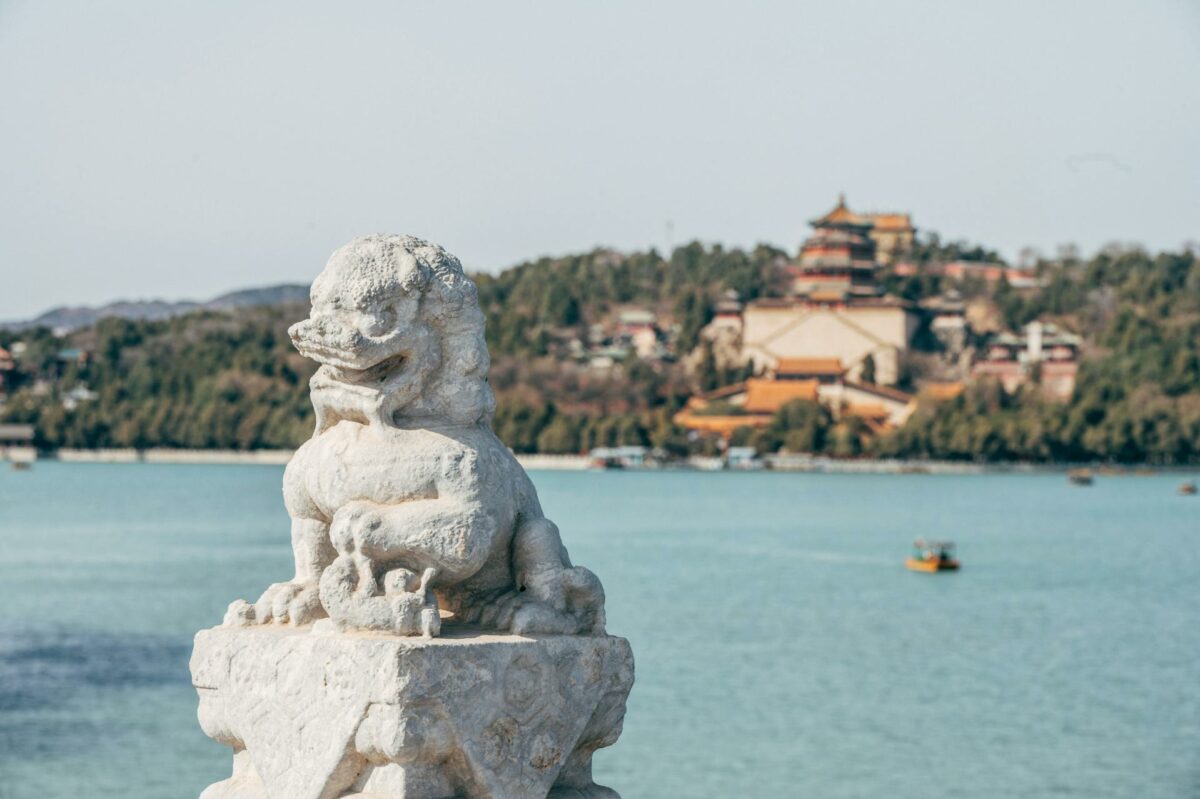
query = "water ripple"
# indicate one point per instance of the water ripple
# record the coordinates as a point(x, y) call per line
point(50, 682)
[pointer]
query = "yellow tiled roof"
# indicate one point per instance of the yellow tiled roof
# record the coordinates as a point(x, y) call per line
point(841, 213)
point(891, 221)
point(944, 391)
point(723, 425)
point(868, 410)
point(809, 366)
point(768, 396)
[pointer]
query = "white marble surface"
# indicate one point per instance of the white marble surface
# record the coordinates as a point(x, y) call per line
point(404, 501)
point(327, 715)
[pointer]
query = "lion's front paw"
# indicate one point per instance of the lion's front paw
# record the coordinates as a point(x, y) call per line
point(296, 603)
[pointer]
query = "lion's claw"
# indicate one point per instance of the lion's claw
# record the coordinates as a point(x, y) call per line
point(239, 614)
point(288, 603)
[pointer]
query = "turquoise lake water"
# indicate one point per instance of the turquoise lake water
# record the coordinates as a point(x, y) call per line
point(782, 649)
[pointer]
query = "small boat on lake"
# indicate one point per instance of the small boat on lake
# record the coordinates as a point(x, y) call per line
point(1080, 477)
point(21, 459)
point(932, 556)
point(1187, 488)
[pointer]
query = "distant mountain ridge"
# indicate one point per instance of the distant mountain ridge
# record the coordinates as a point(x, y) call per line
point(65, 318)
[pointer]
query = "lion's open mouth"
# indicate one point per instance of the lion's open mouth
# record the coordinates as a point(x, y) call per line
point(377, 373)
point(354, 362)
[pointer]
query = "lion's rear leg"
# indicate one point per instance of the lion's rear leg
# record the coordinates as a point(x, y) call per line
point(362, 591)
point(548, 594)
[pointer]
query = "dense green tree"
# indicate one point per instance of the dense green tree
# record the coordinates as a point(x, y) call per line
point(560, 437)
point(868, 369)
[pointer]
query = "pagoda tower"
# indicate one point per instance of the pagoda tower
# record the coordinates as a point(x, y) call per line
point(838, 260)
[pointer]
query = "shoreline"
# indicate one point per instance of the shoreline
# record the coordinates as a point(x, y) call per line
point(771, 463)
point(265, 457)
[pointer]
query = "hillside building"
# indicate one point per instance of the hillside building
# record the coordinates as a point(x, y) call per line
point(836, 309)
point(7, 365)
point(754, 402)
point(822, 371)
point(947, 317)
point(638, 329)
point(1021, 278)
point(838, 259)
point(879, 328)
point(1042, 353)
point(893, 234)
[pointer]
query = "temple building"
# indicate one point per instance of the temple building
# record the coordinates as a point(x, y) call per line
point(754, 402)
point(821, 371)
point(834, 312)
point(865, 336)
point(947, 315)
point(893, 234)
point(838, 259)
point(847, 248)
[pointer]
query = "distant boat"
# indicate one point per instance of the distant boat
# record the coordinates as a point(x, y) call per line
point(1187, 488)
point(21, 459)
point(932, 556)
point(619, 458)
point(1080, 477)
point(605, 463)
point(743, 459)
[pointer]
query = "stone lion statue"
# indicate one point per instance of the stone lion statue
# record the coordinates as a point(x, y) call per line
point(404, 502)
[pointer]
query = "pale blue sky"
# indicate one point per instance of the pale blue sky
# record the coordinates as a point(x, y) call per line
point(178, 150)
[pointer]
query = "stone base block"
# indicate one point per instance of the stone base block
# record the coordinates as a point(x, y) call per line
point(325, 715)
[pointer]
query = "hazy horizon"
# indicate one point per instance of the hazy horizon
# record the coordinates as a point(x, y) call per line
point(179, 153)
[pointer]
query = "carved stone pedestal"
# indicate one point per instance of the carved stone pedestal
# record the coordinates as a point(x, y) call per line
point(315, 714)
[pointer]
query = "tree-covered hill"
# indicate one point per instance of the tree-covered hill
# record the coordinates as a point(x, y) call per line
point(230, 379)
point(1137, 398)
point(205, 380)
point(532, 304)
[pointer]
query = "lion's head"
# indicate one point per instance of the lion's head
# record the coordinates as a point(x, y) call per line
point(396, 325)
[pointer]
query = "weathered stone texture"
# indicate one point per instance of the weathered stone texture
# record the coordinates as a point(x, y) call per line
point(404, 502)
point(322, 716)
